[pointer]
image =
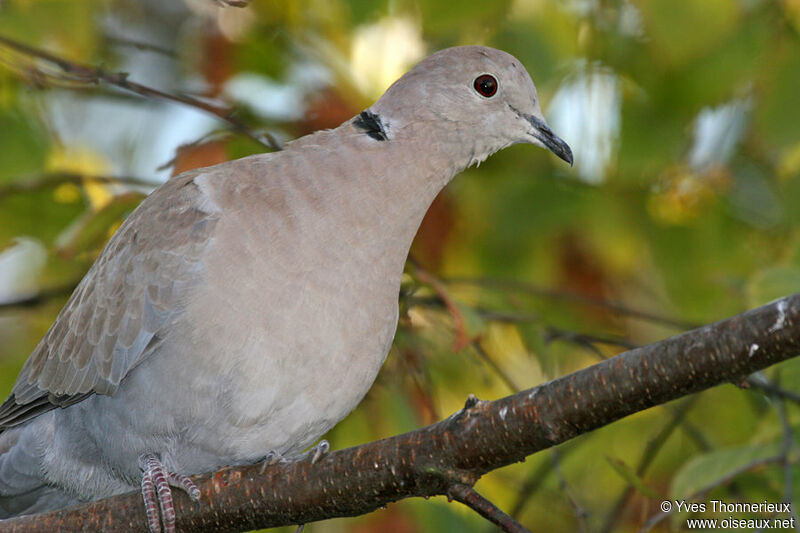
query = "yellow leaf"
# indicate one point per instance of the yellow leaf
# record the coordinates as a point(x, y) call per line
point(86, 162)
point(67, 193)
point(789, 164)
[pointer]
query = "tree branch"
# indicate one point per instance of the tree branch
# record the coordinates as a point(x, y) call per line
point(458, 450)
point(470, 497)
point(41, 181)
point(561, 295)
point(233, 3)
point(93, 75)
point(43, 296)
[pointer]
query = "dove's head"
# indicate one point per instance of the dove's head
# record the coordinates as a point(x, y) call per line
point(485, 96)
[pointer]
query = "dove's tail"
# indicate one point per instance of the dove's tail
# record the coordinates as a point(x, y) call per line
point(22, 489)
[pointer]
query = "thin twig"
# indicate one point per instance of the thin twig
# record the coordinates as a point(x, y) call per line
point(759, 382)
point(555, 294)
point(42, 181)
point(786, 453)
point(93, 75)
point(537, 477)
point(486, 358)
point(233, 3)
point(553, 333)
point(462, 339)
point(692, 431)
point(757, 463)
point(509, 317)
point(651, 450)
point(139, 45)
point(212, 136)
point(39, 298)
point(573, 336)
point(417, 370)
point(470, 497)
point(584, 340)
point(577, 509)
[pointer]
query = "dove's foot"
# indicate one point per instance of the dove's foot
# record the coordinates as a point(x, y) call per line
point(312, 455)
point(272, 458)
point(156, 481)
point(315, 453)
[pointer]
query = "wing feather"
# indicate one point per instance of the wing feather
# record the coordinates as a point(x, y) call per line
point(118, 312)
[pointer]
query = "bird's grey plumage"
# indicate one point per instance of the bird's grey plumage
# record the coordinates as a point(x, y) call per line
point(117, 313)
point(247, 307)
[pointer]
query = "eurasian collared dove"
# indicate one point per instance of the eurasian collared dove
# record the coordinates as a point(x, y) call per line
point(244, 309)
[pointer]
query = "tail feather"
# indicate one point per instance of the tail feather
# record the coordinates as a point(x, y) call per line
point(22, 487)
point(43, 498)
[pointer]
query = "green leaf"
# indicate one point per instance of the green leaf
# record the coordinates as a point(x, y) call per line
point(39, 214)
point(715, 468)
point(23, 147)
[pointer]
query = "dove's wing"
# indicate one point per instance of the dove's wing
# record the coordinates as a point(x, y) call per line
point(119, 311)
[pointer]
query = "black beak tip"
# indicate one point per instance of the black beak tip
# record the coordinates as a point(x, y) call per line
point(565, 153)
point(559, 148)
point(544, 135)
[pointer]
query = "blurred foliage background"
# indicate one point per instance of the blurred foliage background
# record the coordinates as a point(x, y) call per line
point(682, 209)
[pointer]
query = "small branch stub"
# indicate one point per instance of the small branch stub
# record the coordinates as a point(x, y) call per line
point(470, 497)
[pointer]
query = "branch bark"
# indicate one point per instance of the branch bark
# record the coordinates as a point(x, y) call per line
point(457, 451)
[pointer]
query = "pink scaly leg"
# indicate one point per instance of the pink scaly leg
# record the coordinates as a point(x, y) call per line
point(183, 482)
point(156, 481)
point(150, 500)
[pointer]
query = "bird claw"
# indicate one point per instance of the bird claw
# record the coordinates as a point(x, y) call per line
point(272, 458)
point(156, 492)
point(313, 455)
point(184, 483)
point(317, 452)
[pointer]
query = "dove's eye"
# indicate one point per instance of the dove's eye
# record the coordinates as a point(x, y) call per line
point(486, 85)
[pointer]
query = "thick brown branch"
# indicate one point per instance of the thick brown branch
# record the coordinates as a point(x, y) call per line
point(482, 437)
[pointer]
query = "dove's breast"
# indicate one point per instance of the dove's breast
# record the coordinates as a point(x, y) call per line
point(287, 338)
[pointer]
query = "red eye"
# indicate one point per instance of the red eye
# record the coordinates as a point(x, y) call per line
point(486, 85)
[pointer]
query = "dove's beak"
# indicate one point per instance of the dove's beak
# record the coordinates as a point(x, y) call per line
point(542, 133)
